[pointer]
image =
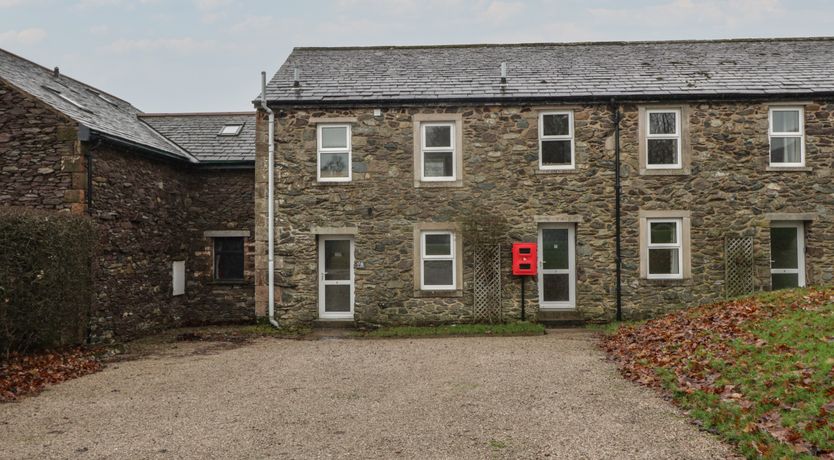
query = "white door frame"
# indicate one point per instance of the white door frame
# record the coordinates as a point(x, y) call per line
point(322, 282)
point(800, 250)
point(571, 270)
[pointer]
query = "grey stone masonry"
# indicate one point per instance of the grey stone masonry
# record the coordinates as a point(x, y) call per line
point(724, 188)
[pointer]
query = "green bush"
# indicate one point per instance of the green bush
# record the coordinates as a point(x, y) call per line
point(46, 278)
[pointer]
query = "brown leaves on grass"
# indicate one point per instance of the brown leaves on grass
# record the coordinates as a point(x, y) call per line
point(686, 344)
point(28, 374)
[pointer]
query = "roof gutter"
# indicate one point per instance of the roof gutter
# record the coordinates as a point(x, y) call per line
point(270, 213)
point(600, 99)
point(138, 147)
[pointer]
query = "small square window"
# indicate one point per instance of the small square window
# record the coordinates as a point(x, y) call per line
point(228, 258)
point(334, 153)
point(787, 137)
point(556, 143)
point(230, 130)
point(663, 139)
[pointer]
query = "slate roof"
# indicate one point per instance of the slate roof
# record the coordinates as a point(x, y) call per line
point(96, 109)
point(198, 133)
point(748, 67)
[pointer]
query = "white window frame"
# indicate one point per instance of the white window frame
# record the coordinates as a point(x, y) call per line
point(424, 149)
point(568, 137)
point(677, 136)
point(799, 135)
point(348, 150)
point(425, 257)
point(679, 246)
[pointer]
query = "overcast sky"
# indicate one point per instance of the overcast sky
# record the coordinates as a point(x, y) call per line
point(206, 55)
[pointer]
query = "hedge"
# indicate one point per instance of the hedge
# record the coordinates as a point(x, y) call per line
point(46, 278)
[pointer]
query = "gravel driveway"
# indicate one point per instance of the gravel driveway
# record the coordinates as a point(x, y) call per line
point(549, 396)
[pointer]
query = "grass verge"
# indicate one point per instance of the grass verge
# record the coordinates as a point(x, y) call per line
point(508, 329)
point(757, 370)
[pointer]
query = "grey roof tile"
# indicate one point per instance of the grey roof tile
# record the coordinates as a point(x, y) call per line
point(750, 66)
point(95, 109)
point(198, 133)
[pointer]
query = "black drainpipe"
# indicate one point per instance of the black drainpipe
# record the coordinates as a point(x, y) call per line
point(618, 190)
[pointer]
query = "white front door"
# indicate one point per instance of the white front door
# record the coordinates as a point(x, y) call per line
point(787, 255)
point(335, 277)
point(557, 267)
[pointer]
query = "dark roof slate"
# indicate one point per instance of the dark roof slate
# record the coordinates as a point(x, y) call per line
point(96, 109)
point(557, 71)
point(198, 133)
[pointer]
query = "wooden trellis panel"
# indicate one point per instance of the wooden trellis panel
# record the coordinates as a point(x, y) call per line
point(487, 283)
point(738, 266)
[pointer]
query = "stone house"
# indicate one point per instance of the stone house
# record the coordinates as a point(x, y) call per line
point(652, 175)
point(172, 195)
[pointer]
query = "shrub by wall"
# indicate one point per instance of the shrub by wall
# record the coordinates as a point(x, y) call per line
point(45, 278)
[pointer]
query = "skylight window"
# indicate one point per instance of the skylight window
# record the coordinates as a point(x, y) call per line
point(230, 130)
point(103, 97)
point(67, 98)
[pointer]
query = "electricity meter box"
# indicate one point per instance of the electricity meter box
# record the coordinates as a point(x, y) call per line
point(524, 259)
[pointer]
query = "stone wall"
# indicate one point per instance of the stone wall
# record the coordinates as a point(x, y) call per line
point(39, 162)
point(141, 205)
point(153, 213)
point(729, 191)
point(220, 200)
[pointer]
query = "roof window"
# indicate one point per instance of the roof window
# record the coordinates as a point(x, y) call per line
point(230, 130)
point(67, 98)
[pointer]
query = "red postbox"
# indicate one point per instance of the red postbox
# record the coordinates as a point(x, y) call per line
point(524, 259)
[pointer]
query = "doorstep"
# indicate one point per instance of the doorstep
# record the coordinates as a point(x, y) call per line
point(330, 323)
point(560, 318)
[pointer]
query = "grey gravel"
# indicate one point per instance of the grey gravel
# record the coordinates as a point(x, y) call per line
point(551, 396)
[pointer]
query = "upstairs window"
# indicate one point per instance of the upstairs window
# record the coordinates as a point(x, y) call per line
point(787, 137)
point(334, 152)
point(556, 146)
point(437, 256)
point(228, 258)
point(663, 139)
point(665, 250)
point(438, 152)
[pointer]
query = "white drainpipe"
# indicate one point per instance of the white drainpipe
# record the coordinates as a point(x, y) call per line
point(270, 213)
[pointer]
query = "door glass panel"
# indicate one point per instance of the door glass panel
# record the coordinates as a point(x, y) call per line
point(556, 287)
point(783, 247)
point(785, 280)
point(336, 297)
point(337, 259)
point(555, 249)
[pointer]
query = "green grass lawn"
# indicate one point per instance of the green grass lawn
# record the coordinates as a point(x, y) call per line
point(756, 371)
point(508, 329)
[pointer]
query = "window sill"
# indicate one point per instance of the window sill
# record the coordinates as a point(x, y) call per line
point(665, 172)
point(789, 169)
point(439, 294)
point(332, 183)
point(439, 184)
point(556, 171)
point(666, 281)
point(228, 282)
